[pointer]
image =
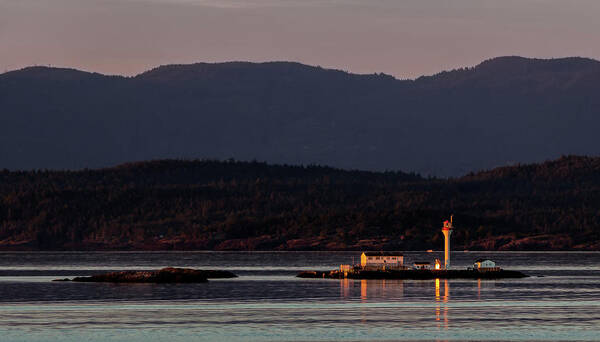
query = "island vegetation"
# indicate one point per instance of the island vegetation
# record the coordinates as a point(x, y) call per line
point(231, 205)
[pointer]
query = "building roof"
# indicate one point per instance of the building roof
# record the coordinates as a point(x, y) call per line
point(382, 254)
point(482, 260)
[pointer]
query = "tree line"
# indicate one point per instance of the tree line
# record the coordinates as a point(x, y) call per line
point(220, 205)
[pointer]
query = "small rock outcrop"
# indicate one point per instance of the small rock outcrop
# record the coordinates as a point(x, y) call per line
point(165, 275)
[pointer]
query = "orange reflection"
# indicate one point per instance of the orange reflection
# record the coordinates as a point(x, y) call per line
point(437, 299)
point(344, 288)
point(442, 301)
point(384, 288)
point(446, 290)
point(363, 290)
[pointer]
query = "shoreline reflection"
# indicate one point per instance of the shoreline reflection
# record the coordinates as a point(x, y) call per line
point(372, 288)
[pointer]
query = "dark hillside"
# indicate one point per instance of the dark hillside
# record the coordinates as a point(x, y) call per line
point(173, 204)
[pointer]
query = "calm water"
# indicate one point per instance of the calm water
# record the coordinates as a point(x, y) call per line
point(561, 301)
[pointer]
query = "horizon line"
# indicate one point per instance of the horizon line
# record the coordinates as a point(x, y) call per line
point(83, 70)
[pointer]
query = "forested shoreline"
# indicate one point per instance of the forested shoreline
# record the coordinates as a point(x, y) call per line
point(231, 205)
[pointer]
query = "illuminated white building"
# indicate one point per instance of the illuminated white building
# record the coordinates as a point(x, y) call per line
point(380, 259)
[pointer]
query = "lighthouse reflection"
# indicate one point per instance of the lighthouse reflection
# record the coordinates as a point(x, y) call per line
point(368, 291)
point(446, 295)
point(441, 309)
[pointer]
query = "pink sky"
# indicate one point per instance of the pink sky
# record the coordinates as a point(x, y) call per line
point(405, 38)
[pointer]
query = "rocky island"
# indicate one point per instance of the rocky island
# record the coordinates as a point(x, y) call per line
point(390, 265)
point(165, 275)
point(413, 274)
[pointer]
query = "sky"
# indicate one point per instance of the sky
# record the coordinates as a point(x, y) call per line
point(404, 38)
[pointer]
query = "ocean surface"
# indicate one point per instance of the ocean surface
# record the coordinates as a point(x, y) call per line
point(560, 301)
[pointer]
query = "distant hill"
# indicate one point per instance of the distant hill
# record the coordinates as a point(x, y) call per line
point(504, 111)
point(177, 204)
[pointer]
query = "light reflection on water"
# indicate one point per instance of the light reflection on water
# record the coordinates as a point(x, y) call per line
point(267, 303)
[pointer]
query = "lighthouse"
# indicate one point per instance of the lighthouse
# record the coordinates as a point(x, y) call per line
point(447, 231)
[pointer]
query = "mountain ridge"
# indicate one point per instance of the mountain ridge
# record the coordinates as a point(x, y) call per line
point(491, 63)
point(286, 112)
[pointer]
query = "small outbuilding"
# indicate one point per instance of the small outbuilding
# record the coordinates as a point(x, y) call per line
point(484, 264)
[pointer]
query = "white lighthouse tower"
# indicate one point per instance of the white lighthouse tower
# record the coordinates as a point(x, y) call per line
point(447, 231)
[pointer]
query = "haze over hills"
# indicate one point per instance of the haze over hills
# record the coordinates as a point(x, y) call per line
point(505, 110)
point(175, 204)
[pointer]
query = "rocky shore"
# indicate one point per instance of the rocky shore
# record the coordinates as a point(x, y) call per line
point(165, 275)
point(414, 274)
